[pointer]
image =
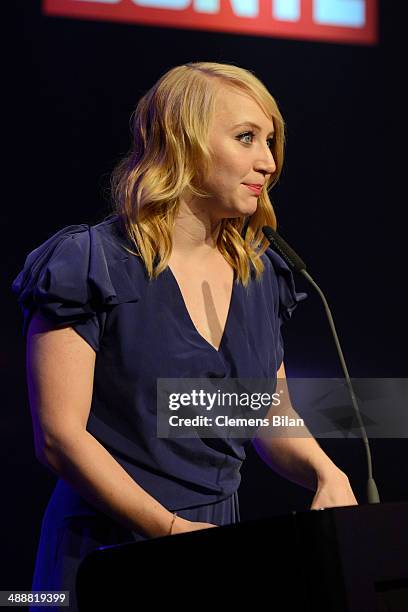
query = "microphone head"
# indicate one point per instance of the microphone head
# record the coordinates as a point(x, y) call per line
point(278, 244)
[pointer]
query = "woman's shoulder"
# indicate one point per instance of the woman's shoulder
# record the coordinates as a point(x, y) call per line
point(111, 230)
point(83, 247)
point(79, 270)
point(280, 275)
point(110, 234)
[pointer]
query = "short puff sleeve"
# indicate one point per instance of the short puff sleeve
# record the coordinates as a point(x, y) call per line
point(67, 279)
point(286, 296)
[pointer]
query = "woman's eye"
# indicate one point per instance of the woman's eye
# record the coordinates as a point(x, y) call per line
point(246, 134)
point(251, 134)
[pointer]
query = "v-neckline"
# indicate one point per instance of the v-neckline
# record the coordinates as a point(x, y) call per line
point(227, 320)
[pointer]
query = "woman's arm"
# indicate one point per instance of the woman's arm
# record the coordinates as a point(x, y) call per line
point(301, 459)
point(60, 373)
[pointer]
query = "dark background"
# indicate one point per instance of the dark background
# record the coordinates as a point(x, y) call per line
point(73, 87)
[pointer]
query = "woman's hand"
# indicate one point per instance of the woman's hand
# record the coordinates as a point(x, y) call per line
point(181, 525)
point(333, 489)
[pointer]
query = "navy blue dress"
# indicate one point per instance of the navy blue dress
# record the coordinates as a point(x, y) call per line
point(83, 277)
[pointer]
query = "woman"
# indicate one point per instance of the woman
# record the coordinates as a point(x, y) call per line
point(177, 283)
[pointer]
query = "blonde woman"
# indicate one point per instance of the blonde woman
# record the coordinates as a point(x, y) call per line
point(178, 282)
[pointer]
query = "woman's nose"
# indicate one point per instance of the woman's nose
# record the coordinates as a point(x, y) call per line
point(267, 164)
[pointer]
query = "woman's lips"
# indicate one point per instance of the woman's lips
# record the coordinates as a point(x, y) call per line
point(253, 188)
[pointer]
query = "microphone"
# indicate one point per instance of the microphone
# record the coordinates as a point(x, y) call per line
point(298, 265)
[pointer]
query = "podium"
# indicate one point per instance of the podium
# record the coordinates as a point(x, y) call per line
point(343, 559)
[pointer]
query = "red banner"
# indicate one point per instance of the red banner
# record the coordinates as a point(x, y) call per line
point(338, 21)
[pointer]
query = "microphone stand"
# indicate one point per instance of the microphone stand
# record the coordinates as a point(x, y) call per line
point(298, 265)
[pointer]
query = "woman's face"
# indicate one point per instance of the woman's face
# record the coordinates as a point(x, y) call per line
point(242, 155)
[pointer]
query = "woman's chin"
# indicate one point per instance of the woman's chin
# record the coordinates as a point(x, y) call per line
point(251, 209)
point(239, 209)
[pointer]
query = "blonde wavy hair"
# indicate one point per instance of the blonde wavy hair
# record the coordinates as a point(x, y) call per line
point(170, 156)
